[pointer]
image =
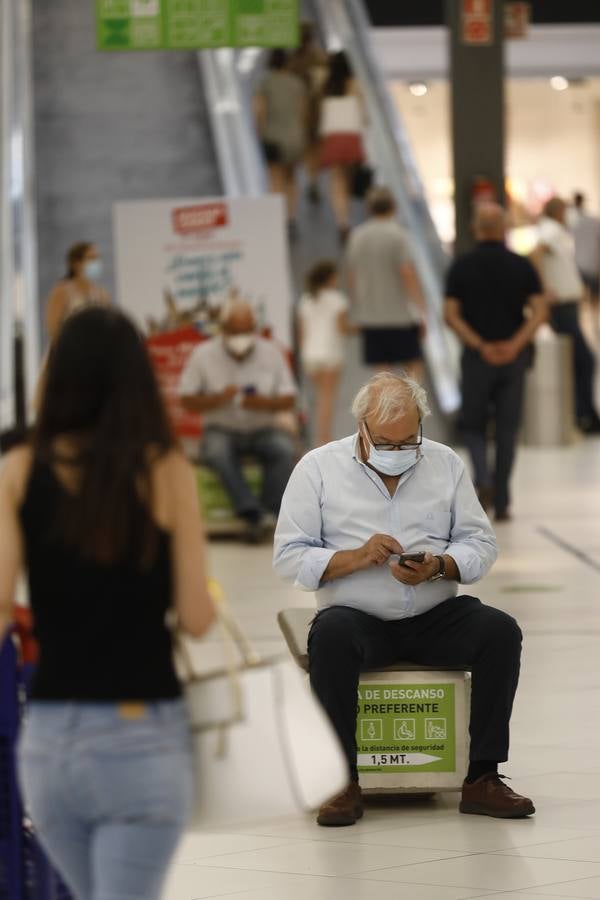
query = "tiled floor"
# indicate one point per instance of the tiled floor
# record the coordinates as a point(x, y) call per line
point(425, 850)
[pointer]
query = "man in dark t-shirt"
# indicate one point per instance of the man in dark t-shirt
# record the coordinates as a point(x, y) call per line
point(487, 292)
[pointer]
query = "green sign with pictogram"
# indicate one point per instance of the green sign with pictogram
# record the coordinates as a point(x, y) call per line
point(196, 24)
point(406, 727)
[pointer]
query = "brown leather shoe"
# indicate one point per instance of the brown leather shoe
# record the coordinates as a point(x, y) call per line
point(344, 809)
point(489, 796)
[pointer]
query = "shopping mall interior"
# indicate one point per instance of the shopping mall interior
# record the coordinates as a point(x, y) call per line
point(133, 128)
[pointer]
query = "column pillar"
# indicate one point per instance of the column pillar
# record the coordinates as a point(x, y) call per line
point(476, 35)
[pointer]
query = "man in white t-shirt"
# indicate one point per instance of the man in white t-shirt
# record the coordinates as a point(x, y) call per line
point(239, 382)
point(586, 231)
point(555, 259)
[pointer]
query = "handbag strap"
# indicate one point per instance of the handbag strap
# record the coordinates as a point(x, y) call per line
point(233, 639)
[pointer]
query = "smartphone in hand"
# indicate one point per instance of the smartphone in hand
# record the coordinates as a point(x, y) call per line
point(401, 559)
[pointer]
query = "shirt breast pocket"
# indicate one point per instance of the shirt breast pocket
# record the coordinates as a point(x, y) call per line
point(265, 383)
point(438, 524)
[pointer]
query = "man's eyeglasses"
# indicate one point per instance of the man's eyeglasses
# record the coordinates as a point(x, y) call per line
point(407, 445)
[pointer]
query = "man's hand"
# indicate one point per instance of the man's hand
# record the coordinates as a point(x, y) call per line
point(262, 403)
point(229, 393)
point(414, 573)
point(377, 551)
point(256, 402)
point(508, 350)
point(499, 353)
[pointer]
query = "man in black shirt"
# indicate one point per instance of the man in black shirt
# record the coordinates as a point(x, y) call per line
point(487, 293)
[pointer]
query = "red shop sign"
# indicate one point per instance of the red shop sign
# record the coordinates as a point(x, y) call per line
point(200, 217)
point(477, 23)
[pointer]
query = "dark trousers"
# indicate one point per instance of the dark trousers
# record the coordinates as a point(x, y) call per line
point(224, 451)
point(344, 642)
point(564, 318)
point(496, 390)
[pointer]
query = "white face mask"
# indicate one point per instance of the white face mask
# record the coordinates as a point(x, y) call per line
point(392, 462)
point(240, 344)
point(92, 270)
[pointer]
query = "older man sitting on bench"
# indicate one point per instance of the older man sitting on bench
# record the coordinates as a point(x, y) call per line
point(351, 508)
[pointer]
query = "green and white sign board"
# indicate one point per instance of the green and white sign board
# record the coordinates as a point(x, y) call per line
point(406, 727)
point(196, 24)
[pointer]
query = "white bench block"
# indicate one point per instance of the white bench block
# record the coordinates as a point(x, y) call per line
point(413, 730)
point(413, 721)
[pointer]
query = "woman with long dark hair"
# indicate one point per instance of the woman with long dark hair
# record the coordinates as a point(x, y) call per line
point(101, 509)
point(79, 288)
point(341, 128)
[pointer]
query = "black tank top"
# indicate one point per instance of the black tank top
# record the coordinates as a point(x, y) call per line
point(101, 628)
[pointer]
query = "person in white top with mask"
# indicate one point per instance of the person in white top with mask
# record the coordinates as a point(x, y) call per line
point(240, 382)
point(80, 287)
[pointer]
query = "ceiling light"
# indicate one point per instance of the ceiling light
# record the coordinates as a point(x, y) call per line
point(559, 83)
point(418, 88)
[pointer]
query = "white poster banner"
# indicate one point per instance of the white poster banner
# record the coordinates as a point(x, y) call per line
point(178, 261)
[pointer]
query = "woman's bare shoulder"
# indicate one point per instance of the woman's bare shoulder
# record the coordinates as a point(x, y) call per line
point(174, 465)
point(60, 290)
point(173, 478)
point(14, 471)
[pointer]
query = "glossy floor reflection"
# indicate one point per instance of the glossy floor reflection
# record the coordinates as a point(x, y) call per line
point(425, 850)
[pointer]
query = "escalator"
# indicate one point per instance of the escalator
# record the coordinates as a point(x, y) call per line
point(229, 79)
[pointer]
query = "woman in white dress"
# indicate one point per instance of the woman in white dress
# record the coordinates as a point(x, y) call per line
point(322, 326)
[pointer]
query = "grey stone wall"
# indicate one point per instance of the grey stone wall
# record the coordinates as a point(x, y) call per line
point(109, 126)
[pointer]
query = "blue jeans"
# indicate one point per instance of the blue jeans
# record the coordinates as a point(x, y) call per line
point(224, 450)
point(109, 790)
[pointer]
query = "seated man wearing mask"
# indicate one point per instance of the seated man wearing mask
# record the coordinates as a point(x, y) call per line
point(349, 507)
point(239, 382)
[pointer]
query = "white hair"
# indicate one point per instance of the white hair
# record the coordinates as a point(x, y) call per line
point(388, 397)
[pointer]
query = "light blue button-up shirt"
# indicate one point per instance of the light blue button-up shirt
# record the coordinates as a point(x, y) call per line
point(334, 502)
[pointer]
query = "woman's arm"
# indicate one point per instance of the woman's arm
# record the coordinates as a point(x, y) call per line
point(300, 330)
point(345, 326)
point(56, 310)
point(192, 600)
point(12, 480)
point(259, 105)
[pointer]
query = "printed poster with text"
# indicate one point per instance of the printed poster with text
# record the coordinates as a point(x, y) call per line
point(179, 261)
point(406, 727)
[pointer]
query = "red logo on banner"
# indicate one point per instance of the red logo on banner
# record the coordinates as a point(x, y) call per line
point(169, 353)
point(477, 21)
point(203, 217)
point(516, 19)
point(477, 7)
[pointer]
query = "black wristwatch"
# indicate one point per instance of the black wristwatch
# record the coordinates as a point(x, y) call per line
point(441, 571)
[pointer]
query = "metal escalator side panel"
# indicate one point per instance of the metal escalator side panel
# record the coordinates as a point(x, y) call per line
point(345, 25)
point(242, 170)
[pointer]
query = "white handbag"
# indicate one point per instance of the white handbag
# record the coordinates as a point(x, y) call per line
point(263, 746)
